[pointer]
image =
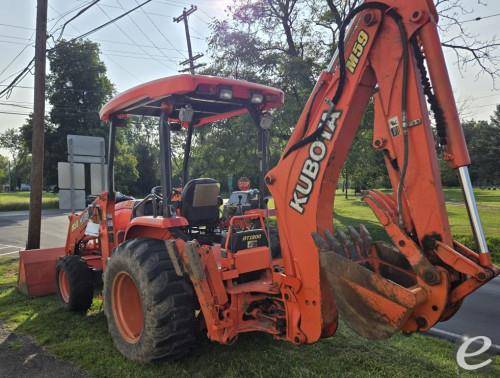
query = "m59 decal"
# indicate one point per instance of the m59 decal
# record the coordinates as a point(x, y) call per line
point(357, 51)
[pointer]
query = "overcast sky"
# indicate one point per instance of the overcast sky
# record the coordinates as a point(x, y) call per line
point(135, 51)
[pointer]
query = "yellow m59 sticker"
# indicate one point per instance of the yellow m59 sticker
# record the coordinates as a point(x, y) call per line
point(357, 51)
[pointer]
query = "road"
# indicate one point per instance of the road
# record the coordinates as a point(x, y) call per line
point(479, 315)
point(14, 229)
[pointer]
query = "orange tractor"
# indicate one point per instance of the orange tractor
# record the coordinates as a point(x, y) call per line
point(172, 266)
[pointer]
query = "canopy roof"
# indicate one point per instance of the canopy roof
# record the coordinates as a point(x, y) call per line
point(203, 93)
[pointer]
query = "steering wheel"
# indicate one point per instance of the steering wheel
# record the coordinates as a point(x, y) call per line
point(157, 191)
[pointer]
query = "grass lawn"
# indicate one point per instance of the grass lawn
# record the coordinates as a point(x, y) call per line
point(84, 340)
point(352, 211)
point(21, 201)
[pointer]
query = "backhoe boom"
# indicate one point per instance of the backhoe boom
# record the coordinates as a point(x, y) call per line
point(382, 59)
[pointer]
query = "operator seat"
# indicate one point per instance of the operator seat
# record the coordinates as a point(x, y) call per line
point(200, 202)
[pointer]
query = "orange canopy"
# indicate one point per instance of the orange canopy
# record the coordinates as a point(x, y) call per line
point(203, 93)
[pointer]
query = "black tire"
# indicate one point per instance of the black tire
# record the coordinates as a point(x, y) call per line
point(80, 289)
point(167, 301)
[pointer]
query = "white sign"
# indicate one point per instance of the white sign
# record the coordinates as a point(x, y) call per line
point(64, 175)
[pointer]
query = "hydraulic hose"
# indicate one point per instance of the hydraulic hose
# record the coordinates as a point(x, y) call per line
point(342, 80)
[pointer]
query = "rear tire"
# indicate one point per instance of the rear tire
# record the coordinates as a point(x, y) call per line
point(74, 280)
point(149, 308)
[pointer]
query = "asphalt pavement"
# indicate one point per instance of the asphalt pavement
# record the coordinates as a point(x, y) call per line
point(478, 316)
point(14, 230)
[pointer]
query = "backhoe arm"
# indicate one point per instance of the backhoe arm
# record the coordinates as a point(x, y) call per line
point(380, 289)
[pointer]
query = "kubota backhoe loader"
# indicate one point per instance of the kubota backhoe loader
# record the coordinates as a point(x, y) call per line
point(171, 266)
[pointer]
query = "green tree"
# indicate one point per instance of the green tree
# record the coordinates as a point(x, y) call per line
point(77, 87)
point(125, 166)
point(141, 137)
point(483, 141)
point(4, 170)
point(282, 43)
point(12, 140)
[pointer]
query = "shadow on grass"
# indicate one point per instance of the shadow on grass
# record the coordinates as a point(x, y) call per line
point(84, 340)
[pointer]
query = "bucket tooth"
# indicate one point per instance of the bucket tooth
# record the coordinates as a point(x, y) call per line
point(366, 238)
point(349, 248)
point(333, 243)
point(374, 306)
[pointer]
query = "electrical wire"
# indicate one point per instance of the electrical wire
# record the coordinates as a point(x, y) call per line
point(480, 18)
point(143, 32)
point(111, 21)
point(132, 40)
point(17, 56)
point(82, 11)
point(6, 91)
point(114, 42)
point(15, 113)
point(15, 105)
point(161, 33)
point(342, 76)
point(62, 15)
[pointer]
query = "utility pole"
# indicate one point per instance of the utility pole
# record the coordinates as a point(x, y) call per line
point(191, 59)
point(37, 146)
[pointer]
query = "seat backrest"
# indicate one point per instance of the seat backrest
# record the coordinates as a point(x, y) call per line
point(200, 202)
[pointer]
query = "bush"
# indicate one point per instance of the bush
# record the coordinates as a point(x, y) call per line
point(493, 244)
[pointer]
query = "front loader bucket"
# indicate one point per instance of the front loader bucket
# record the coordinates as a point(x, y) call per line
point(37, 271)
point(374, 288)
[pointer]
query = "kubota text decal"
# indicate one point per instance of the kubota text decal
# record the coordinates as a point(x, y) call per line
point(311, 167)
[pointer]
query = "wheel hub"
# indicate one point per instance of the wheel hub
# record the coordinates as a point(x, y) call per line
point(127, 307)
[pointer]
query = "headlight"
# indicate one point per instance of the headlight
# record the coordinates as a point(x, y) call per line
point(257, 98)
point(225, 94)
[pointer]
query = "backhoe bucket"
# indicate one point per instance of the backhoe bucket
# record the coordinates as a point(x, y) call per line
point(374, 287)
point(37, 271)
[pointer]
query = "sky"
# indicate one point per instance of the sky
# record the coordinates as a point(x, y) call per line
point(143, 47)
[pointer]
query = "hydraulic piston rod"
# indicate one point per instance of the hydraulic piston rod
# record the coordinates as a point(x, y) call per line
point(470, 202)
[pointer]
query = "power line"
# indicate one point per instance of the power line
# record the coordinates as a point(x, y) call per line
point(17, 26)
point(124, 69)
point(457, 22)
point(481, 18)
point(63, 14)
point(26, 70)
point(201, 19)
point(17, 86)
point(82, 11)
point(161, 33)
point(143, 32)
point(16, 105)
point(131, 39)
point(21, 102)
point(15, 113)
point(17, 56)
point(111, 21)
point(103, 41)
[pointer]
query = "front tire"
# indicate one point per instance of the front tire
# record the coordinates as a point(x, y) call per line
point(149, 308)
point(74, 280)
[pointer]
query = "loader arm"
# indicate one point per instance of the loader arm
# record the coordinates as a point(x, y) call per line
point(382, 59)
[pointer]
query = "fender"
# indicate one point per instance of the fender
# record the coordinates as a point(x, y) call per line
point(155, 228)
